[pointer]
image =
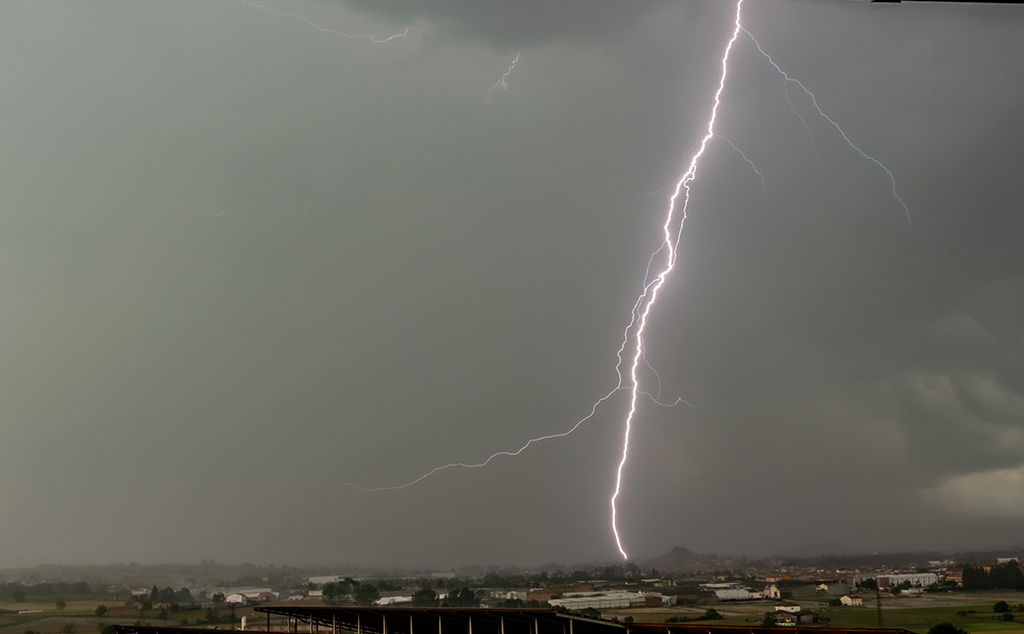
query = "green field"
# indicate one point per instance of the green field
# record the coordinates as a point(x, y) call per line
point(921, 619)
point(979, 616)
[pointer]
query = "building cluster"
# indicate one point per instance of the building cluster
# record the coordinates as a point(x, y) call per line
point(777, 583)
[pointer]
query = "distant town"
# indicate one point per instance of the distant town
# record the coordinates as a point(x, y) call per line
point(916, 592)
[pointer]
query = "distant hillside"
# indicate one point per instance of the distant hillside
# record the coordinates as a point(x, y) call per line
point(677, 557)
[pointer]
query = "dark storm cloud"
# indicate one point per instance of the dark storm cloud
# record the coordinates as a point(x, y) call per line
point(514, 24)
point(239, 272)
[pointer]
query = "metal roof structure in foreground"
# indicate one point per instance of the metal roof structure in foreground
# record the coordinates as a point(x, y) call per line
point(404, 620)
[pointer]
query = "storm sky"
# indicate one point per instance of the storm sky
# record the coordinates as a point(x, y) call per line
point(245, 260)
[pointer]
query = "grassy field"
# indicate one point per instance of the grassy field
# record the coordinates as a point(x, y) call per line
point(921, 619)
point(917, 614)
point(75, 609)
point(49, 605)
point(84, 621)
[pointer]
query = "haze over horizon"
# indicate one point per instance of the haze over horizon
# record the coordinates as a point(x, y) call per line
point(244, 259)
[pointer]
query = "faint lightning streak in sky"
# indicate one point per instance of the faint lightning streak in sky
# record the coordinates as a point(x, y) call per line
point(501, 82)
point(656, 191)
point(593, 411)
point(814, 149)
point(754, 167)
point(836, 125)
point(683, 184)
point(651, 367)
point(368, 36)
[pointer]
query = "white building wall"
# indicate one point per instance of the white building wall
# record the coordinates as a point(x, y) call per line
point(733, 594)
point(919, 579)
point(599, 600)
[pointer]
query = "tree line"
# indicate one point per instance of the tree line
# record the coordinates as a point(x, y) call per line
point(19, 591)
point(1001, 577)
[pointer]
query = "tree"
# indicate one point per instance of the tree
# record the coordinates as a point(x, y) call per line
point(1007, 576)
point(1001, 606)
point(162, 614)
point(946, 628)
point(218, 598)
point(712, 614)
point(100, 610)
point(365, 594)
point(461, 598)
point(425, 598)
point(835, 603)
point(900, 587)
point(61, 604)
point(18, 596)
point(68, 629)
point(334, 592)
point(1007, 616)
point(976, 579)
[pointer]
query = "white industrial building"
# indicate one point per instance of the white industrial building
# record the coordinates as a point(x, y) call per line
point(601, 600)
point(737, 594)
point(327, 579)
point(915, 579)
point(240, 595)
point(732, 591)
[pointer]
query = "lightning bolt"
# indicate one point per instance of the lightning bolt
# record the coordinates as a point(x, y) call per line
point(464, 465)
point(501, 82)
point(619, 386)
point(367, 36)
point(696, 143)
point(752, 166)
point(672, 249)
point(666, 254)
point(814, 100)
